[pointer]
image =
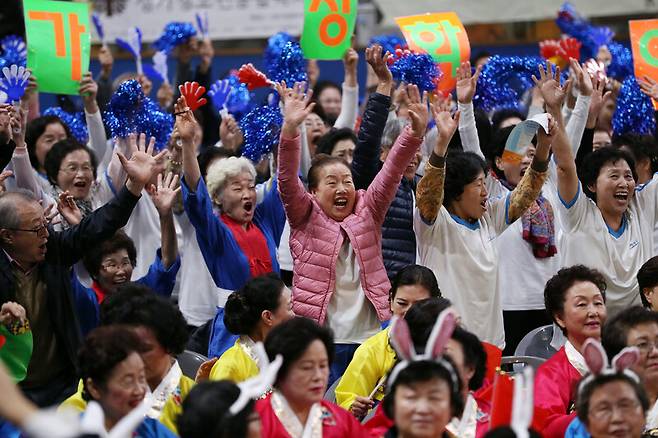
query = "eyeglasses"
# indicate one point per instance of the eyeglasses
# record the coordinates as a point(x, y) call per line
point(604, 411)
point(39, 230)
point(646, 346)
point(113, 267)
point(72, 169)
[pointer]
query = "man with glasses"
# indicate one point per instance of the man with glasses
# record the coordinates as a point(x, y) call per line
point(637, 327)
point(35, 265)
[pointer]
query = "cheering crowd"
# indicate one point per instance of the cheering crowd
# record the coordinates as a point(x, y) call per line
point(335, 269)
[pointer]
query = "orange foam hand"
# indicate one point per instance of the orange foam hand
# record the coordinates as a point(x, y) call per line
point(252, 77)
point(549, 49)
point(193, 93)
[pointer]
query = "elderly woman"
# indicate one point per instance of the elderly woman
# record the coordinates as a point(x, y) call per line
point(113, 375)
point(239, 242)
point(163, 334)
point(575, 299)
point(251, 312)
point(613, 405)
point(296, 406)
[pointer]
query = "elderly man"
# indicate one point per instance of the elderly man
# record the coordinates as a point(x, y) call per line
point(35, 265)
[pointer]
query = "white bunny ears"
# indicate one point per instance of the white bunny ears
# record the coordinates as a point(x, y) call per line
point(401, 341)
point(597, 361)
point(258, 385)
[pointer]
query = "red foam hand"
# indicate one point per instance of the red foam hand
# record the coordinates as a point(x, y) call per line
point(252, 77)
point(193, 93)
point(570, 48)
point(549, 48)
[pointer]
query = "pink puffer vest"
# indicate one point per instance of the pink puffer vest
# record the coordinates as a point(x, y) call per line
point(316, 239)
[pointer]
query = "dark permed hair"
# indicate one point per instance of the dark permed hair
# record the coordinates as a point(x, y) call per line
point(555, 292)
point(615, 331)
point(647, 278)
point(93, 258)
point(318, 163)
point(290, 339)
point(58, 153)
point(327, 142)
point(35, 129)
point(135, 304)
point(593, 162)
point(415, 275)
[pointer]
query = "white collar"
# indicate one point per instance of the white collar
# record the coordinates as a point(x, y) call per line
point(290, 421)
point(652, 417)
point(166, 387)
point(575, 358)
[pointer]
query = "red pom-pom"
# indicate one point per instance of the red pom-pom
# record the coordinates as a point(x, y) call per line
point(252, 77)
point(193, 93)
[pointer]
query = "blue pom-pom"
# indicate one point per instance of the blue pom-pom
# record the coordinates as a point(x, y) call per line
point(261, 129)
point(503, 81)
point(634, 113)
point(129, 111)
point(388, 42)
point(75, 122)
point(14, 51)
point(416, 68)
point(272, 53)
point(621, 65)
point(289, 66)
point(240, 101)
point(174, 34)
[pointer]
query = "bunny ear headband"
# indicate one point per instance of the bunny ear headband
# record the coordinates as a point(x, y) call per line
point(256, 386)
point(597, 361)
point(400, 337)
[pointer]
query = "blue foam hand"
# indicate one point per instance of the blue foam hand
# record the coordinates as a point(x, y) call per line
point(14, 82)
point(219, 93)
point(160, 65)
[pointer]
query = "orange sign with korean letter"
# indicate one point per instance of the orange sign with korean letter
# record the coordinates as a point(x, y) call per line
point(644, 42)
point(443, 37)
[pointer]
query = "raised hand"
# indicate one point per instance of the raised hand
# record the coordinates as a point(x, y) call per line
point(3, 176)
point(361, 406)
point(142, 165)
point(467, 82)
point(68, 208)
point(599, 98)
point(350, 60)
point(186, 124)
point(165, 95)
point(164, 193)
point(446, 124)
point(549, 86)
point(379, 63)
point(297, 106)
point(18, 123)
point(145, 83)
point(544, 139)
point(106, 60)
point(193, 93)
point(230, 133)
point(649, 87)
point(418, 112)
point(12, 314)
point(31, 89)
point(88, 90)
point(585, 86)
point(51, 214)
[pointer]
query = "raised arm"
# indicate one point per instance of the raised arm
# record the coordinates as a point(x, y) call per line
point(578, 120)
point(554, 96)
point(97, 138)
point(382, 191)
point(186, 124)
point(164, 195)
point(349, 108)
point(466, 86)
point(369, 138)
point(296, 107)
point(429, 193)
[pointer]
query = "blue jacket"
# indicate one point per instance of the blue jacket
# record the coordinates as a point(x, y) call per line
point(398, 239)
point(226, 262)
point(158, 278)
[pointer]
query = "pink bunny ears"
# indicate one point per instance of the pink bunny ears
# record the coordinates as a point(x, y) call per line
point(401, 341)
point(597, 361)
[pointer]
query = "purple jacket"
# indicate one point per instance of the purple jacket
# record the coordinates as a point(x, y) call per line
point(316, 239)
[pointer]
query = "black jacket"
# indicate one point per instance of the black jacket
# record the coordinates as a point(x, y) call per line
point(64, 249)
point(398, 239)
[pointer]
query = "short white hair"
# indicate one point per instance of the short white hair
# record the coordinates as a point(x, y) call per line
point(223, 169)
